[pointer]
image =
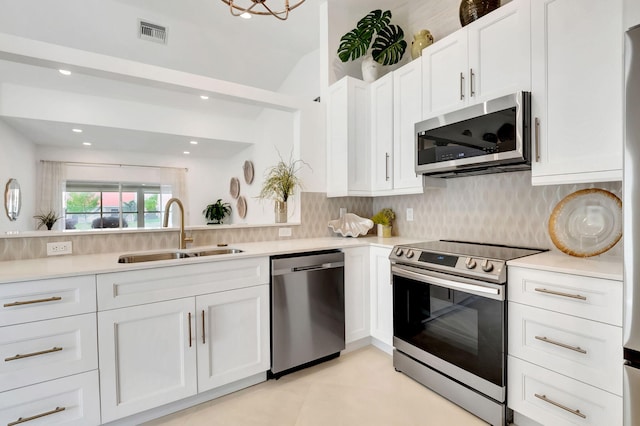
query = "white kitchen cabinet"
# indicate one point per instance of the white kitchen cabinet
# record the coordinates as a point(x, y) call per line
point(382, 127)
point(631, 14)
point(407, 111)
point(356, 293)
point(381, 296)
point(147, 356)
point(577, 91)
point(233, 335)
point(348, 151)
point(486, 59)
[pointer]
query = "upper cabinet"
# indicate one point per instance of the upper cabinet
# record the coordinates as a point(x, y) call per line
point(577, 85)
point(631, 13)
point(487, 59)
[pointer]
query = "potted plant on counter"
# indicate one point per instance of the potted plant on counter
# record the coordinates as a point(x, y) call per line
point(383, 219)
point(47, 219)
point(216, 212)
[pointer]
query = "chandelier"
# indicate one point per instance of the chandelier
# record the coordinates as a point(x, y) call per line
point(260, 7)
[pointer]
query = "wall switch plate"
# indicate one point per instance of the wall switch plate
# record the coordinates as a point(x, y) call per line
point(284, 232)
point(56, 249)
point(409, 214)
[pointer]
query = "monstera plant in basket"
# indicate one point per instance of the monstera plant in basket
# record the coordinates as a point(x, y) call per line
point(387, 48)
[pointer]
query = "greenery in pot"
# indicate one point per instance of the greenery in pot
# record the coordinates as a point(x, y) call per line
point(384, 217)
point(388, 45)
point(216, 212)
point(281, 180)
point(47, 219)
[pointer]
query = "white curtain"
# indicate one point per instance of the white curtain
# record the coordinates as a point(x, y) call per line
point(51, 189)
point(173, 183)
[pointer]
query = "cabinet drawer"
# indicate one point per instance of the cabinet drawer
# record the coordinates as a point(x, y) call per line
point(37, 300)
point(588, 351)
point(560, 400)
point(45, 350)
point(71, 400)
point(121, 289)
point(592, 298)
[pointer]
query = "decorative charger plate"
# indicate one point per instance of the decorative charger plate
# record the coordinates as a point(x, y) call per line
point(242, 207)
point(234, 187)
point(247, 168)
point(587, 222)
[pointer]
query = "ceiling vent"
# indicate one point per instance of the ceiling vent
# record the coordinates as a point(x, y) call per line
point(152, 32)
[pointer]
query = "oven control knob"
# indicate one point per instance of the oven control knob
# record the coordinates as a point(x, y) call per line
point(399, 251)
point(410, 254)
point(486, 265)
point(470, 263)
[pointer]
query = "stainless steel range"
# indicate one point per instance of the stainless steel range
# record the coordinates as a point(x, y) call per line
point(449, 321)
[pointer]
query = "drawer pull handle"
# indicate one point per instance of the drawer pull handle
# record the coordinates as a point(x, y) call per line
point(37, 416)
point(557, 404)
point(29, 302)
point(21, 356)
point(563, 345)
point(559, 293)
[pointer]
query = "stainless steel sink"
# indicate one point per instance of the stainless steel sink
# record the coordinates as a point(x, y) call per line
point(170, 255)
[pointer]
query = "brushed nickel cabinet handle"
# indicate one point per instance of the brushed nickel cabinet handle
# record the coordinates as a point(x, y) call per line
point(537, 132)
point(472, 78)
point(462, 86)
point(189, 329)
point(37, 416)
point(559, 293)
point(386, 166)
point(203, 341)
point(21, 356)
point(30, 302)
point(562, 345)
point(557, 404)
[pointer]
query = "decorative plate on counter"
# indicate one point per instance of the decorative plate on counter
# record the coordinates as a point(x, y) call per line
point(234, 187)
point(242, 207)
point(247, 168)
point(587, 222)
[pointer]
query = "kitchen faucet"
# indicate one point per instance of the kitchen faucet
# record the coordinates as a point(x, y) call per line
point(183, 239)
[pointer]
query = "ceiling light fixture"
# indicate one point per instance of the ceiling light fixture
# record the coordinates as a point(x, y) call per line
point(204, 97)
point(64, 72)
point(194, 142)
point(76, 130)
point(86, 143)
point(186, 153)
point(260, 7)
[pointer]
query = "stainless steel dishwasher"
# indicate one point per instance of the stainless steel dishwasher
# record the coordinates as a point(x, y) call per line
point(307, 309)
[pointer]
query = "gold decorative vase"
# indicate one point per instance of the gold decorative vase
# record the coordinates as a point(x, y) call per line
point(281, 211)
point(384, 231)
point(421, 39)
point(470, 10)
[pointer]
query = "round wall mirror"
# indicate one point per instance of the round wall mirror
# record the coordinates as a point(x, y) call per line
point(12, 199)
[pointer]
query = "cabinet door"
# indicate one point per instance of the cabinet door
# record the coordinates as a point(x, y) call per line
point(444, 74)
point(356, 293)
point(337, 139)
point(407, 111)
point(382, 133)
point(381, 296)
point(500, 52)
point(233, 335)
point(577, 86)
point(147, 356)
point(359, 145)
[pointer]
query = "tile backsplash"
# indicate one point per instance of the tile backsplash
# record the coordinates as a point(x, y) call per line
point(499, 208)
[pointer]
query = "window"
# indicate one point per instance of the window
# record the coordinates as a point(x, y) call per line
point(95, 205)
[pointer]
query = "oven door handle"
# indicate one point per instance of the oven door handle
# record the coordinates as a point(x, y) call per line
point(395, 270)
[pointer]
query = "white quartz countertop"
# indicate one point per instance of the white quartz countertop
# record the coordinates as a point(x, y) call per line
point(606, 267)
point(61, 266)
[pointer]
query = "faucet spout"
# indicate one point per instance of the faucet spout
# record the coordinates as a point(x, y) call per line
point(165, 223)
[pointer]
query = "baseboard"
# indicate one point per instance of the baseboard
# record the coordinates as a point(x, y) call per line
point(357, 344)
point(382, 346)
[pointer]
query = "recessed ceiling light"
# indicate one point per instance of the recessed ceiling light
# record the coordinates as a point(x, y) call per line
point(186, 153)
point(204, 97)
point(64, 72)
point(86, 143)
point(245, 15)
point(194, 142)
point(76, 130)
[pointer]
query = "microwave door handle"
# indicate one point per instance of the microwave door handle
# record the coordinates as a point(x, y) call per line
point(444, 283)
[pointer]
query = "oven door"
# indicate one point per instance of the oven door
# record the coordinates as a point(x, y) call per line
point(455, 326)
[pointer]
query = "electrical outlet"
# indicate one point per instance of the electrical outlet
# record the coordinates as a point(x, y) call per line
point(62, 247)
point(409, 214)
point(284, 232)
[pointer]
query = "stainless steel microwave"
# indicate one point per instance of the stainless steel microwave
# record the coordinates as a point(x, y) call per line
point(491, 137)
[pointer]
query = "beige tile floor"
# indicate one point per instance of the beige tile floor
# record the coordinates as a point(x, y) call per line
point(359, 388)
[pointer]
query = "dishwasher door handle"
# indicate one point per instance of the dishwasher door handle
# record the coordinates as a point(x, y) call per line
point(310, 268)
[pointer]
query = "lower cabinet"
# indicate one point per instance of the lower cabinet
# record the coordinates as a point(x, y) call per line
point(154, 354)
point(356, 293)
point(381, 296)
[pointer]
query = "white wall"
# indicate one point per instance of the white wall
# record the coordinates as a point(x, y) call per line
point(17, 161)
